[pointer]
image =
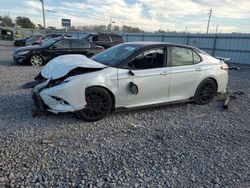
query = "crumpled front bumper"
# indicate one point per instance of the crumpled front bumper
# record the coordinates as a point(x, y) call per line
point(57, 99)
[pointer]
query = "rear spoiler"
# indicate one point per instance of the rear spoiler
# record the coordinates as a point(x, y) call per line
point(222, 58)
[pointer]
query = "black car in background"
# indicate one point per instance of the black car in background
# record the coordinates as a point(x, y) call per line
point(45, 38)
point(102, 39)
point(38, 55)
point(27, 41)
point(32, 39)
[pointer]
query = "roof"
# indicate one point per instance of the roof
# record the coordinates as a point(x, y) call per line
point(145, 44)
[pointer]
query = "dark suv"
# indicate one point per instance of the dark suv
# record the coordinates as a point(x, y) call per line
point(102, 39)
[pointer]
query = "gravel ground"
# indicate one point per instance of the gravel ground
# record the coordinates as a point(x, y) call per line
point(184, 145)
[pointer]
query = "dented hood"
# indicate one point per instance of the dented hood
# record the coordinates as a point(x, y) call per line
point(62, 65)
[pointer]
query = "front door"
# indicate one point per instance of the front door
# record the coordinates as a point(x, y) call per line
point(148, 74)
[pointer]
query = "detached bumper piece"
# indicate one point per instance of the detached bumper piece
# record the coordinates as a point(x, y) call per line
point(229, 97)
point(41, 108)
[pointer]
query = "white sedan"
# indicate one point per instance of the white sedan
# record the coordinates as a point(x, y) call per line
point(129, 75)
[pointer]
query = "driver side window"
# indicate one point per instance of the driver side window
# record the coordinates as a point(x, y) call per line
point(150, 59)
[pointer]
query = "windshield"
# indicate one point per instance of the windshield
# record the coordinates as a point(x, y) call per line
point(49, 42)
point(114, 56)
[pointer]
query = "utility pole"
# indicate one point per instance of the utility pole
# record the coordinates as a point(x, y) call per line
point(217, 27)
point(208, 24)
point(43, 14)
point(186, 29)
point(110, 24)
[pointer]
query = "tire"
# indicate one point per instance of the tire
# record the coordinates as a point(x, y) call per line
point(99, 104)
point(36, 60)
point(205, 92)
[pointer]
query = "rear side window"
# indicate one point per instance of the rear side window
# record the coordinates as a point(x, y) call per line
point(197, 58)
point(116, 38)
point(181, 56)
point(79, 44)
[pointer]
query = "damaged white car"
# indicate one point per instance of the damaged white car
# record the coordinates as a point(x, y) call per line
point(129, 75)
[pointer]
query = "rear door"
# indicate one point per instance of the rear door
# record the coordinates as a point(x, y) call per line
point(186, 72)
point(80, 47)
point(150, 75)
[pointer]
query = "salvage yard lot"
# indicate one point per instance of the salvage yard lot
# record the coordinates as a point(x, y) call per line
point(184, 145)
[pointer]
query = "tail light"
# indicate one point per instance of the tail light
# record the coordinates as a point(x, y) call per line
point(224, 67)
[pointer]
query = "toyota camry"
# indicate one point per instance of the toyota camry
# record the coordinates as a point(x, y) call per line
point(129, 75)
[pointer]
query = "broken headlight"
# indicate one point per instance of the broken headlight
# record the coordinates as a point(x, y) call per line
point(55, 82)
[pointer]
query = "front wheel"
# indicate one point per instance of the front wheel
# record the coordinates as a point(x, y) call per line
point(36, 60)
point(205, 92)
point(99, 104)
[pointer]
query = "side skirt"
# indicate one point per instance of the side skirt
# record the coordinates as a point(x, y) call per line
point(154, 105)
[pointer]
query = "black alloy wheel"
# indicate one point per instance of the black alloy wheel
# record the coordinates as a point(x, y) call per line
point(99, 104)
point(205, 92)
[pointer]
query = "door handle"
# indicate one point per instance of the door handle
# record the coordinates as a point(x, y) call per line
point(164, 73)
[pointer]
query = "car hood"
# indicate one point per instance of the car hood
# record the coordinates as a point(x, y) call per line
point(33, 47)
point(62, 65)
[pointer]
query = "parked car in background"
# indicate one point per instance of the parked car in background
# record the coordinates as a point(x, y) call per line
point(129, 75)
point(102, 39)
point(27, 40)
point(38, 55)
point(32, 39)
point(45, 38)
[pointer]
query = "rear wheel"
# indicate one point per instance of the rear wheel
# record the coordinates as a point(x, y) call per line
point(99, 104)
point(205, 92)
point(36, 60)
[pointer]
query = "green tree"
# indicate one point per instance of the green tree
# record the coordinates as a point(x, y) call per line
point(6, 19)
point(25, 22)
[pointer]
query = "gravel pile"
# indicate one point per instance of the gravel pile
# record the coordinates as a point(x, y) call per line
point(184, 145)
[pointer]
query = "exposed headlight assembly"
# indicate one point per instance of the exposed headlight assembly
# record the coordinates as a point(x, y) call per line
point(56, 82)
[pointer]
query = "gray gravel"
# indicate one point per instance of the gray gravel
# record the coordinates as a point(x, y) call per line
point(184, 145)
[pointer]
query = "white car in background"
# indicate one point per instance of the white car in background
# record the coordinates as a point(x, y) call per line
point(129, 75)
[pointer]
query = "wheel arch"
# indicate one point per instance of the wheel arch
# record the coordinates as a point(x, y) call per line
point(108, 90)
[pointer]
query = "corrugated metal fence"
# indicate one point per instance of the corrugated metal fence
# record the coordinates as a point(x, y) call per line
point(234, 46)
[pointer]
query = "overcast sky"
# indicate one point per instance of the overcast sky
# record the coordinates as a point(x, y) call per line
point(150, 15)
